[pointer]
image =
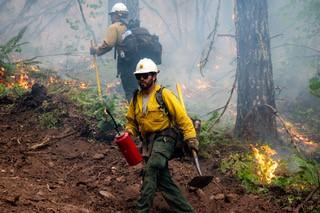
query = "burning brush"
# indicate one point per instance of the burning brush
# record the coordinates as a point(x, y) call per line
point(265, 165)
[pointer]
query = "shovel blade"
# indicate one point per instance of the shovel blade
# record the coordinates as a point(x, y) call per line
point(200, 181)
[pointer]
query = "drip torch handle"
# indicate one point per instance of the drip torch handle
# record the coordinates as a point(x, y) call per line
point(106, 111)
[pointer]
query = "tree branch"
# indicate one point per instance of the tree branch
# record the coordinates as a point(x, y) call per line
point(276, 35)
point(226, 35)
point(63, 11)
point(297, 45)
point(212, 34)
point(26, 7)
point(307, 198)
point(276, 113)
point(86, 23)
point(162, 19)
point(176, 8)
point(226, 105)
point(3, 3)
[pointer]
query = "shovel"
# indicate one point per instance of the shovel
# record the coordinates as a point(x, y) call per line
point(199, 181)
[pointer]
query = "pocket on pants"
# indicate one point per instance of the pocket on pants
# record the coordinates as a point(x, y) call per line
point(164, 145)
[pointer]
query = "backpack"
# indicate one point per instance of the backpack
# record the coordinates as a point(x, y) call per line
point(181, 148)
point(138, 42)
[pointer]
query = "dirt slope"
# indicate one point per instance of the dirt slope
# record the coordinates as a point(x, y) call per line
point(58, 170)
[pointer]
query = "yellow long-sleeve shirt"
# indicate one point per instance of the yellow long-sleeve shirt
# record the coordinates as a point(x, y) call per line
point(155, 119)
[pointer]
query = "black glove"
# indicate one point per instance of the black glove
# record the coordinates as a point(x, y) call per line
point(93, 51)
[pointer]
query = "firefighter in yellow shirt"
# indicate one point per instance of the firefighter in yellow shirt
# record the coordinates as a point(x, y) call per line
point(145, 117)
point(113, 36)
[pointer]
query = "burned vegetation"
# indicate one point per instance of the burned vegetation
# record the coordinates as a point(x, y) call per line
point(58, 154)
point(58, 151)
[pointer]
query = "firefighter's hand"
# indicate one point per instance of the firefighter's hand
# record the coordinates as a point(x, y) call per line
point(193, 144)
point(93, 51)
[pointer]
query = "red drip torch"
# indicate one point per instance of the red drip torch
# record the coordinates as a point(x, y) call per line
point(126, 145)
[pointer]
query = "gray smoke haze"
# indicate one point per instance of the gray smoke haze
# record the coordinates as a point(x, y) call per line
point(56, 27)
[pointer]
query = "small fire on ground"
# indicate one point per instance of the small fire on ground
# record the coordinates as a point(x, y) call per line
point(302, 141)
point(199, 86)
point(22, 78)
point(265, 165)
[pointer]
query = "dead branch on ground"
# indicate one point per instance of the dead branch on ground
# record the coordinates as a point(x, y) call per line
point(291, 135)
point(47, 139)
point(297, 209)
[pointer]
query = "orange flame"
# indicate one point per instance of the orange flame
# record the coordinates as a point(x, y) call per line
point(2, 72)
point(23, 81)
point(265, 165)
point(111, 87)
point(83, 85)
point(203, 84)
point(305, 143)
point(34, 68)
point(52, 80)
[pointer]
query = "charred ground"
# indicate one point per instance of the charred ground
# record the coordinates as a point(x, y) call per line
point(62, 169)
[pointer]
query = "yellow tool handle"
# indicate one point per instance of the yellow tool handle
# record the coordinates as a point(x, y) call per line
point(97, 73)
point(180, 95)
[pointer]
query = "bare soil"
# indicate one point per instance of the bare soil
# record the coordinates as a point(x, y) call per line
point(62, 170)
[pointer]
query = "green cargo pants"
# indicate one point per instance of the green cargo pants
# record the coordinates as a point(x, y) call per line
point(157, 176)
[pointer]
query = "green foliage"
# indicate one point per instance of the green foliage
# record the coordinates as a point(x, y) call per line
point(306, 177)
point(3, 90)
point(242, 166)
point(6, 49)
point(43, 76)
point(309, 116)
point(208, 137)
point(93, 108)
point(73, 24)
point(94, 5)
point(314, 85)
point(15, 91)
point(49, 119)
point(296, 182)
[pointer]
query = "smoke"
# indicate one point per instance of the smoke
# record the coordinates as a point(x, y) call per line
point(56, 33)
point(189, 25)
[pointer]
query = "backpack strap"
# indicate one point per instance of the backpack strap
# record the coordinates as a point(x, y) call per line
point(161, 102)
point(134, 102)
point(115, 53)
point(134, 98)
point(173, 131)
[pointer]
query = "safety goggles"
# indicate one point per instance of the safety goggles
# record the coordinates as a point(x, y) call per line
point(143, 75)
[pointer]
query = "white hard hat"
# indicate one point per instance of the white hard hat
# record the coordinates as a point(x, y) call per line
point(119, 7)
point(146, 65)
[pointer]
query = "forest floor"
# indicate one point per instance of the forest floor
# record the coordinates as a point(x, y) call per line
point(62, 170)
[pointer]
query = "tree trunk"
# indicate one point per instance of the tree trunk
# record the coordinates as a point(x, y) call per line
point(256, 103)
point(133, 7)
